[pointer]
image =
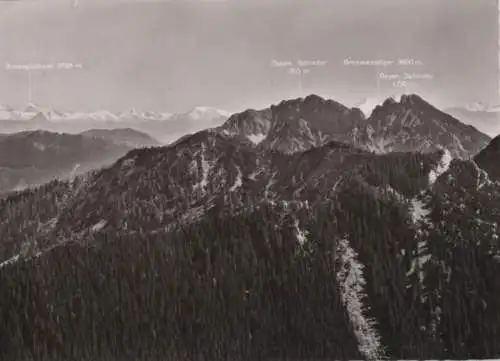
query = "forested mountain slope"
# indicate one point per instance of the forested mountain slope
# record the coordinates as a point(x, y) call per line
point(215, 248)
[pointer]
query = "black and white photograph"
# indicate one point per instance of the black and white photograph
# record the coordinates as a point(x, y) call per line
point(249, 180)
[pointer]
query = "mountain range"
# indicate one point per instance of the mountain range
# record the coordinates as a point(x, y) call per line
point(165, 127)
point(303, 230)
point(31, 158)
point(410, 124)
point(486, 117)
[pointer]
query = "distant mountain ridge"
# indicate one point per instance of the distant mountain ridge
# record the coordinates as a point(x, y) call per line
point(31, 110)
point(482, 115)
point(349, 124)
point(31, 158)
point(166, 127)
point(123, 136)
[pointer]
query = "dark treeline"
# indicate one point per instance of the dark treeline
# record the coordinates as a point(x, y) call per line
point(223, 289)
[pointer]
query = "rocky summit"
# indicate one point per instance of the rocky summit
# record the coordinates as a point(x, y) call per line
point(410, 124)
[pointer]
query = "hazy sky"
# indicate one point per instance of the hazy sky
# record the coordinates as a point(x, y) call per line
point(174, 55)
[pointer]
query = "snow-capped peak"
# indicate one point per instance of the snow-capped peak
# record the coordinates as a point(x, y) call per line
point(494, 109)
point(201, 112)
point(29, 112)
point(134, 114)
point(134, 111)
point(367, 105)
point(477, 107)
point(31, 108)
point(100, 115)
